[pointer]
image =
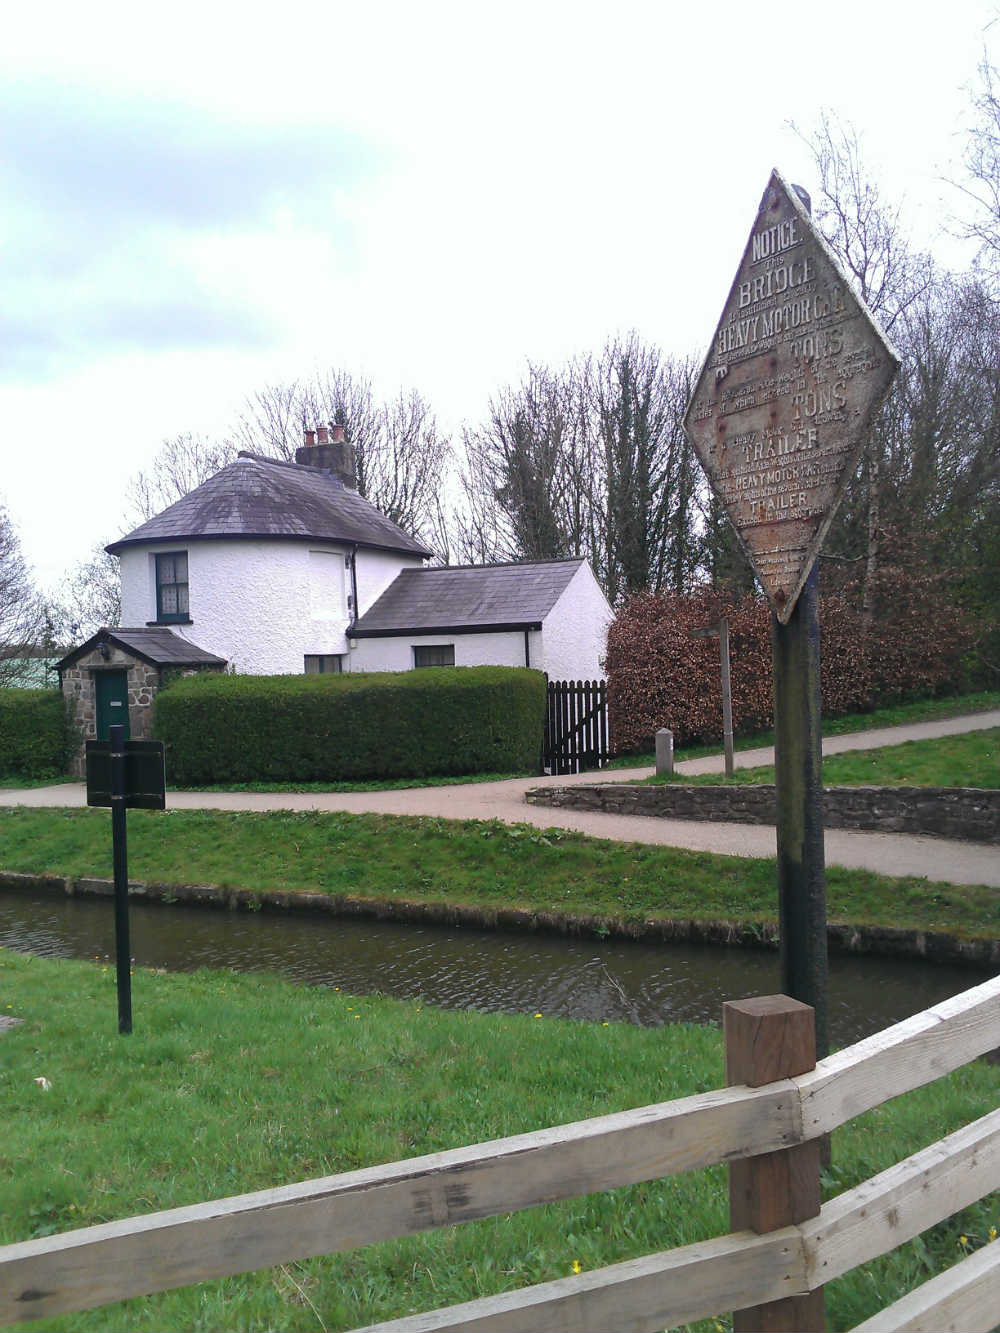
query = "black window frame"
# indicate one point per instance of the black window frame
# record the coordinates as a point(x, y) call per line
point(423, 649)
point(178, 616)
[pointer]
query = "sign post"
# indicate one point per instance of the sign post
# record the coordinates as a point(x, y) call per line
point(779, 416)
point(119, 856)
point(120, 774)
point(722, 630)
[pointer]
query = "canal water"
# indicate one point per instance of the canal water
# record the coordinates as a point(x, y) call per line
point(593, 980)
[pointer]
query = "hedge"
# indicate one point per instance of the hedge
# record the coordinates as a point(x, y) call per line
point(659, 676)
point(34, 733)
point(441, 720)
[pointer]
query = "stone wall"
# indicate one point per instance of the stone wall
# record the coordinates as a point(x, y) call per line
point(966, 813)
point(78, 687)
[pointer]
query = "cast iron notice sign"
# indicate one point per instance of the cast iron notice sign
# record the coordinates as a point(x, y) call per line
point(796, 371)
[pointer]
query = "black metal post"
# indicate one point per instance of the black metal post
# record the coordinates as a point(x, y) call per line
point(798, 765)
point(119, 843)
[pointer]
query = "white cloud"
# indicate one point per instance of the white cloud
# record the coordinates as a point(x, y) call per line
point(203, 199)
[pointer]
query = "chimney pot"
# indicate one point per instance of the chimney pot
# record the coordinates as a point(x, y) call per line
point(323, 435)
point(310, 438)
point(336, 434)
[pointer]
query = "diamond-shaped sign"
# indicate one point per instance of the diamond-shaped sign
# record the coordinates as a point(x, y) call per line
point(795, 374)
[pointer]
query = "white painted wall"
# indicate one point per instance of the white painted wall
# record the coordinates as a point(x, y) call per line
point(396, 653)
point(261, 605)
point(376, 570)
point(575, 631)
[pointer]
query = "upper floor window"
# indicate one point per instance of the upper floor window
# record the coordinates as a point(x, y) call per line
point(433, 654)
point(172, 586)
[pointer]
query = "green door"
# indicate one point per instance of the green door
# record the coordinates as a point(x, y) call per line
point(111, 688)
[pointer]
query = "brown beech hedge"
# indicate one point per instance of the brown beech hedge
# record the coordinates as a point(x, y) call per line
point(659, 676)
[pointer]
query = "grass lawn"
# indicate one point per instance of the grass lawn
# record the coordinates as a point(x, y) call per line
point(969, 760)
point(922, 710)
point(484, 865)
point(233, 1083)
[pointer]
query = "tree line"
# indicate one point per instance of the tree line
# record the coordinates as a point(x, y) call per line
point(589, 457)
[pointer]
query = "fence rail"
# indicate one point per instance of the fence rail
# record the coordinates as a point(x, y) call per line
point(96, 1265)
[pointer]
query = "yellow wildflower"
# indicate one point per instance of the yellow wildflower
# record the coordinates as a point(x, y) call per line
point(577, 1266)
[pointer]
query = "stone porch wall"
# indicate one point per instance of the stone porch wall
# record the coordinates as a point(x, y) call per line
point(79, 688)
point(966, 813)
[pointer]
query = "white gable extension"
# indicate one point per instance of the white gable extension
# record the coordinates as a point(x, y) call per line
point(551, 615)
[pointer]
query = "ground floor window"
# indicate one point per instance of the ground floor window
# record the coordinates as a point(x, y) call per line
point(433, 654)
point(323, 664)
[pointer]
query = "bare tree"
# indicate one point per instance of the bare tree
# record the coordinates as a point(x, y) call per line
point(867, 235)
point(638, 399)
point(179, 466)
point(864, 230)
point(271, 421)
point(981, 159)
point(89, 598)
point(402, 457)
point(21, 615)
point(523, 478)
point(589, 459)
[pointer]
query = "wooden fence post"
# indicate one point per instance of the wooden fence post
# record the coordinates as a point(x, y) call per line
point(770, 1038)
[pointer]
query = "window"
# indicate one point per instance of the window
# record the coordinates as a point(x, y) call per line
point(172, 586)
point(436, 654)
point(323, 664)
point(326, 585)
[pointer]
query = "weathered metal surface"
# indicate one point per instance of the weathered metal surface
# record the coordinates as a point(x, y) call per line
point(795, 374)
point(145, 777)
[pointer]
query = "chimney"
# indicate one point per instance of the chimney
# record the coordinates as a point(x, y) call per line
point(325, 448)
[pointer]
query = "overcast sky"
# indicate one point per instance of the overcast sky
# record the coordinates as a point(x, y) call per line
point(205, 198)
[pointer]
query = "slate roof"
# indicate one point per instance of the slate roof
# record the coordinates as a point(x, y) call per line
point(467, 597)
point(265, 497)
point(160, 647)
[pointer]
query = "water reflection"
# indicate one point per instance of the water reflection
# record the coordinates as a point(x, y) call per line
point(621, 981)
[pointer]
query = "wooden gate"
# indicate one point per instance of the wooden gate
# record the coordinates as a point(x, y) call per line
point(576, 726)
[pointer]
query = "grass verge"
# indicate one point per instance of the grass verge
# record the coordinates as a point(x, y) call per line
point(969, 760)
point(482, 865)
point(233, 1083)
point(921, 710)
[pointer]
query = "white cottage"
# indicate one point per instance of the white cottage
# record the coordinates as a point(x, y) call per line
point(267, 563)
point(274, 567)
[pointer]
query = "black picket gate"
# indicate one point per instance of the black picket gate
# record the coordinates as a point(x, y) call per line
point(576, 726)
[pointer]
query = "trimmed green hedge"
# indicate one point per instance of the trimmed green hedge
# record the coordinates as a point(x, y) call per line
point(441, 720)
point(34, 734)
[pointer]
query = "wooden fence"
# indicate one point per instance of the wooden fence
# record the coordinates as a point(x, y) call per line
point(576, 726)
point(783, 1249)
